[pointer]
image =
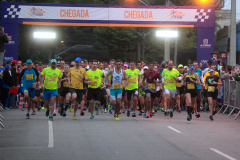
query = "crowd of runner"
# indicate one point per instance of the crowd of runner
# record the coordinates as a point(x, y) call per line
point(115, 87)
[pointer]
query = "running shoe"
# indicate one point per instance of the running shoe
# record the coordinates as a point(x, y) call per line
point(74, 117)
point(96, 112)
point(117, 118)
point(39, 108)
point(92, 116)
point(27, 116)
point(162, 109)
point(105, 111)
point(140, 113)
point(151, 114)
point(110, 111)
point(33, 113)
point(197, 115)
point(59, 110)
point(148, 114)
point(211, 117)
point(72, 108)
point(188, 118)
point(137, 107)
point(43, 108)
point(47, 113)
point(145, 115)
point(64, 114)
point(133, 114)
point(50, 118)
point(82, 113)
point(128, 113)
point(8, 109)
point(171, 114)
point(123, 110)
point(115, 115)
point(54, 114)
point(155, 109)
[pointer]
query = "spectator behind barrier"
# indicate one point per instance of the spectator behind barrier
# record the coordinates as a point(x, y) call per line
point(228, 74)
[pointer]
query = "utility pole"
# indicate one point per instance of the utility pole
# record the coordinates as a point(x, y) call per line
point(232, 56)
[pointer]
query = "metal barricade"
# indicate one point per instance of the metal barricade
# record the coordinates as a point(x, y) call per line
point(1, 117)
point(231, 99)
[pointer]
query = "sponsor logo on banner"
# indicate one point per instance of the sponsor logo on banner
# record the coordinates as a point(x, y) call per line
point(10, 41)
point(205, 44)
point(36, 12)
point(175, 15)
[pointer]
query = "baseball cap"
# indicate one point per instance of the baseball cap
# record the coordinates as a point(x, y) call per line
point(180, 66)
point(29, 61)
point(14, 62)
point(7, 66)
point(9, 60)
point(78, 59)
point(145, 67)
point(191, 67)
point(210, 70)
point(53, 61)
point(125, 65)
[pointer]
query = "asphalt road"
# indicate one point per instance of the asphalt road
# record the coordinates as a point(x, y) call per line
point(103, 138)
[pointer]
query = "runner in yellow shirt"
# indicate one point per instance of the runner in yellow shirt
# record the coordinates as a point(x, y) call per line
point(95, 77)
point(52, 78)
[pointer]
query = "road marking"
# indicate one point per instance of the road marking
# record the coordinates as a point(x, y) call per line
point(51, 141)
point(223, 154)
point(174, 129)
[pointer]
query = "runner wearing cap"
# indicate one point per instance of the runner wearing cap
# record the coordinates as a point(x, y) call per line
point(28, 79)
point(170, 76)
point(212, 81)
point(52, 77)
point(180, 87)
point(191, 80)
point(152, 77)
point(77, 75)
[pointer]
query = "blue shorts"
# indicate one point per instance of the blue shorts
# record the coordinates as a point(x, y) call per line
point(115, 93)
point(47, 93)
point(31, 91)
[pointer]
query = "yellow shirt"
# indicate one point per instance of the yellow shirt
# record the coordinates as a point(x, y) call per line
point(205, 77)
point(75, 75)
point(51, 78)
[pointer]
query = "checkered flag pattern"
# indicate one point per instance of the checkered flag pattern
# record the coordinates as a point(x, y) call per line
point(202, 15)
point(13, 12)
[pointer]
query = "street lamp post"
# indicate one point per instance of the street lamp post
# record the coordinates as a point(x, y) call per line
point(168, 35)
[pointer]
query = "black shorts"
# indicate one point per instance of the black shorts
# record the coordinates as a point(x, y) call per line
point(123, 92)
point(64, 92)
point(38, 92)
point(94, 94)
point(212, 94)
point(133, 92)
point(180, 91)
point(103, 94)
point(153, 95)
point(192, 92)
point(79, 93)
point(159, 94)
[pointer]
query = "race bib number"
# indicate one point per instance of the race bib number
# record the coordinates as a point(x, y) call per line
point(29, 76)
point(65, 84)
point(170, 80)
point(190, 86)
point(117, 86)
point(77, 85)
point(211, 89)
point(179, 84)
point(94, 83)
point(132, 80)
point(151, 86)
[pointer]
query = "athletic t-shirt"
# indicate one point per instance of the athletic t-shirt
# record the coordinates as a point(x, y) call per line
point(75, 75)
point(28, 77)
point(208, 74)
point(169, 82)
point(212, 87)
point(95, 77)
point(133, 80)
point(51, 78)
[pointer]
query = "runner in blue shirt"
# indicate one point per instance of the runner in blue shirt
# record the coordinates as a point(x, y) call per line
point(28, 80)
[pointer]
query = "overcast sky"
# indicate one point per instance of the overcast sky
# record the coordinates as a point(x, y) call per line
point(228, 6)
